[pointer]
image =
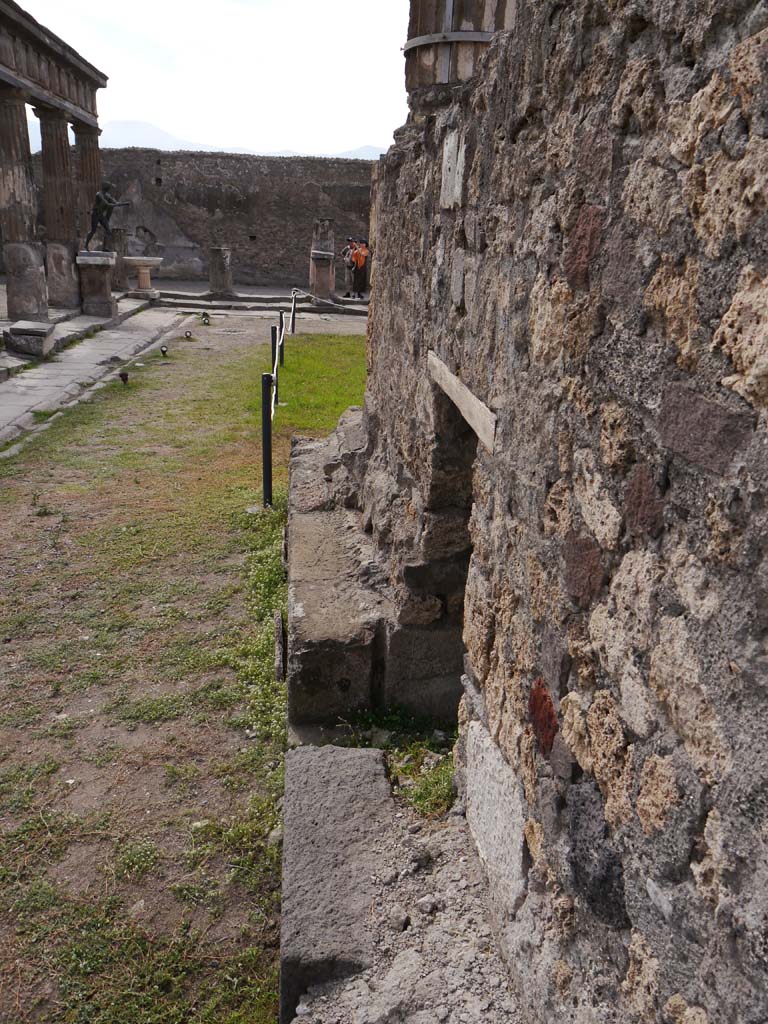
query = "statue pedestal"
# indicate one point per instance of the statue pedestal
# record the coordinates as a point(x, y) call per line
point(322, 274)
point(96, 283)
point(143, 265)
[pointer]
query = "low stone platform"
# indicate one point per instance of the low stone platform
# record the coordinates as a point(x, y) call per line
point(47, 386)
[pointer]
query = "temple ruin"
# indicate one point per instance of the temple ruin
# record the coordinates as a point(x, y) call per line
point(37, 67)
point(550, 513)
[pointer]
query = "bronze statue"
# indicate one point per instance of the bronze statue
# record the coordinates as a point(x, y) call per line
point(101, 214)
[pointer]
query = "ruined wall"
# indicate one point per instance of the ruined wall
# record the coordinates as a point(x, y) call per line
point(263, 207)
point(581, 235)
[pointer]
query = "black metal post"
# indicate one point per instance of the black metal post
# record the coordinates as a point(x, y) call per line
point(274, 359)
point(293, 314)
point(266, 437)
point(282, 338)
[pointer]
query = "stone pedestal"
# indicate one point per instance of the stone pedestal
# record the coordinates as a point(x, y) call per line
point(143, 265)
point(220, 272)
point(322, 274)
point(63, 280)
point(120, 281)
point(27, 289)
point(96, 283)
point(30, 338)
point(322, 261)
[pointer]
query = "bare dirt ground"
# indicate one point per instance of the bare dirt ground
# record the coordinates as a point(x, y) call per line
point(141, 734)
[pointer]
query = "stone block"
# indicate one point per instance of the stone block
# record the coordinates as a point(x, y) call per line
point(334, 617)
point(337, 803)
point(33, 339)
point(452, 184)
point(496, 817)
point(424, 666)
point(643, 504)
point(27, 289)
point(703, 432)
point(584, 571)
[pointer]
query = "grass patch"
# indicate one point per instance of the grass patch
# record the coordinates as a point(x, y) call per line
point(134, 860)
point(152, 571)
point(419, 756)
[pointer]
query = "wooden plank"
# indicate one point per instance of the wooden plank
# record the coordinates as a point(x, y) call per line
point(477, 415)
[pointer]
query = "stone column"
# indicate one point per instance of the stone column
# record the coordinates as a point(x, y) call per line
point(220, 272)
point(23, 255)
point(88, 172)
point(60, 209)
point(322, 263)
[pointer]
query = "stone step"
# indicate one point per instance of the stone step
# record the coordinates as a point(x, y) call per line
point(337, 805)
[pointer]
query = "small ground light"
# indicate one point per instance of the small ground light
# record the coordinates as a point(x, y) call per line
point(164, 351)
point(187, 334)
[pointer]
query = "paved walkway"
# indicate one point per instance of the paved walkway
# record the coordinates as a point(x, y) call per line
point(57, 381)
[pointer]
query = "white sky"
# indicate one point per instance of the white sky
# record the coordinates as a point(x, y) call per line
point(315, 76)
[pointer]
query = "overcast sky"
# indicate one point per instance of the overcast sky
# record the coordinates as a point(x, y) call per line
point(315, 76)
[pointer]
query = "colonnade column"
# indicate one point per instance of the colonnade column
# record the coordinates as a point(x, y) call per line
point(27, 292)
point(88, 172)
point(60, 210)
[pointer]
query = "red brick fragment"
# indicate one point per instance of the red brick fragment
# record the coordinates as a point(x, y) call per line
point(543, 717)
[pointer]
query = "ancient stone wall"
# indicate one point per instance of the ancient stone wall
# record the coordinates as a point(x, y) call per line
point(263, 207)
point(581, 235)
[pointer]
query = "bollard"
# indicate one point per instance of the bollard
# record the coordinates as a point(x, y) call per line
point(293, 313)
point(266, 437)
point(275, 343)
point(282, 338)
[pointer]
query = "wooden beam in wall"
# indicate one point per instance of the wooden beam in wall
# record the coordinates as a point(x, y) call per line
point(477, 415)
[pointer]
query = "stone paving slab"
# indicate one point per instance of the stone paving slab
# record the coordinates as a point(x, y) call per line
point(54, 383)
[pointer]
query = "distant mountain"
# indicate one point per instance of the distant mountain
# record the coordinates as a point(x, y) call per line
point(141, 134)
point(363, 153)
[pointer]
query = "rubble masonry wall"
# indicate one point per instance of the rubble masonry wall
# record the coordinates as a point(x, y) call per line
point(581, 235)
point(263, 207)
